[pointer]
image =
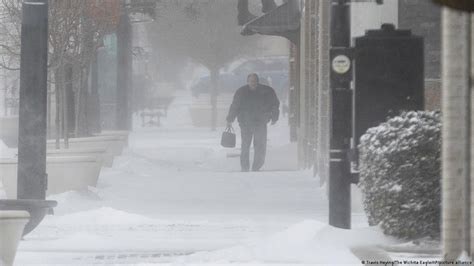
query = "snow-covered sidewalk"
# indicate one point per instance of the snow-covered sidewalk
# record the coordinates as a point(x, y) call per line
point(176, 196)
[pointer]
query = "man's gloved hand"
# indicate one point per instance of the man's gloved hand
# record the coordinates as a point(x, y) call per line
point(229, 124)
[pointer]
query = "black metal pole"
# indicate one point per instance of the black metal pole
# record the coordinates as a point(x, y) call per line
point(339, 169)
point(32, 179)
point(124, 73)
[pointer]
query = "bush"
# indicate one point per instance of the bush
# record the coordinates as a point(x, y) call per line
point(400, 174)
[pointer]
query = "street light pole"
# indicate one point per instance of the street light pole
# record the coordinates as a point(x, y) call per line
point(32, 179)
point(341, 116)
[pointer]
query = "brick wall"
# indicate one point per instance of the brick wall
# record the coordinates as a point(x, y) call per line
point(424, 19)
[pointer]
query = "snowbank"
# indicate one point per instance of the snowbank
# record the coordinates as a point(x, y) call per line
point(306, 242)
point(103, 216)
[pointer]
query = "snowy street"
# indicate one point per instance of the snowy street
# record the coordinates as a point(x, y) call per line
point(176, 192)
point(243, 132)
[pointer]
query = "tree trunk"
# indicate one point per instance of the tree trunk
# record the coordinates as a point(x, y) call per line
point(48, 108)
point(70, 102)
point(65, 107)
point(82, 129)
point(214, 80)
point(61, 105)
point(94, 100)
point(455, 132)
point(57, 94)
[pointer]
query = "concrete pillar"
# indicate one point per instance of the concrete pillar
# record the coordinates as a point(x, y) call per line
point(313, 76)
point(293, 93)
point(304, 61)
point(455, 132)
point(322, 159)
point(309, 76)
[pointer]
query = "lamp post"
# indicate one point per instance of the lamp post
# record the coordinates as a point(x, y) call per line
point(341, 116)
point(32, 178)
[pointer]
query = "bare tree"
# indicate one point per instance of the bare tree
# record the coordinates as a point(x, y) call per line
point(10, 35)
point(204, 31)
point(74, 35)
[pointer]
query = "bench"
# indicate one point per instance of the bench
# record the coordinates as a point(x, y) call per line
point(155, 108)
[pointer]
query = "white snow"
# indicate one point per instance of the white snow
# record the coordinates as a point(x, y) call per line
point(305, 242)
point(6, 152)
point(3, 194)
point(34, 3)
point(396, 188)
point(464, 258)
point(175, 196)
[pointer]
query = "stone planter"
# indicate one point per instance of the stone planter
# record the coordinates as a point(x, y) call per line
point(12, 224)
point(113, 144)
point(9, 130)
point(64, 174)
point(106, 159)
point(36, 208)
point(120, 133)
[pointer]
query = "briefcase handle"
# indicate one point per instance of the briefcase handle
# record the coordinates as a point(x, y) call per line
point(229, 129)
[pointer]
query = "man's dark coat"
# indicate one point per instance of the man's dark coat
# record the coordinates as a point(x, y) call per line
point(256, 107)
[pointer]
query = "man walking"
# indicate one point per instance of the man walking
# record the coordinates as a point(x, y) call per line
point(254, 105)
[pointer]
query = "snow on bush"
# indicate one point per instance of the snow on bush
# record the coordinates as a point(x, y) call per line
point(400, 173)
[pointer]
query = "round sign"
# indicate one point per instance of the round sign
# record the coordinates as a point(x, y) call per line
point(341, 64)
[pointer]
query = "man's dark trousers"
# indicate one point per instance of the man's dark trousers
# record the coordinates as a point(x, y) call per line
point(258, 133)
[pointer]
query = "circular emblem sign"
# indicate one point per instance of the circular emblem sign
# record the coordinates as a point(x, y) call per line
point(341, 64)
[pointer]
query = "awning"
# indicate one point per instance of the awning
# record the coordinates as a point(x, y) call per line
point(465, 5)
point(282, 21)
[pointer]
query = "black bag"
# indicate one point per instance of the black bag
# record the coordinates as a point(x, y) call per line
point(228, 138)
